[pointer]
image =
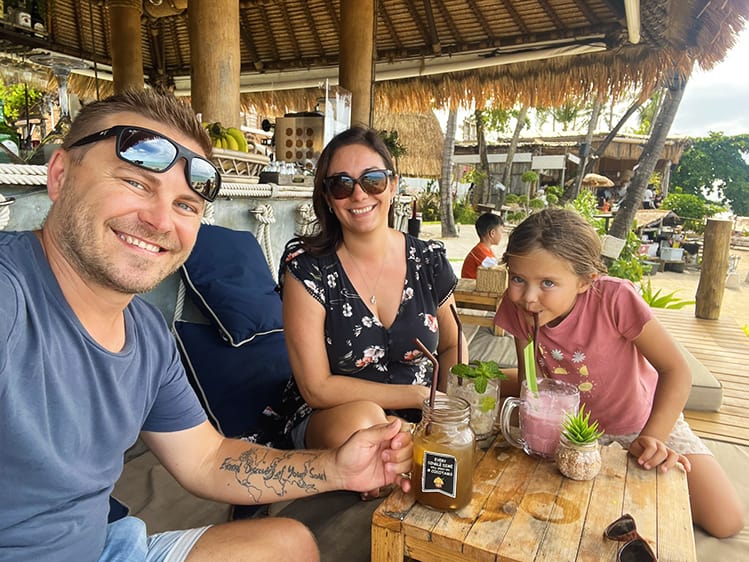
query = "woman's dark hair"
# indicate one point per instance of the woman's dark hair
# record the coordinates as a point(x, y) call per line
point(329, 235)
point(563, 233)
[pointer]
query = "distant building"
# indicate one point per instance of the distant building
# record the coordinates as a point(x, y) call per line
point(557, 158)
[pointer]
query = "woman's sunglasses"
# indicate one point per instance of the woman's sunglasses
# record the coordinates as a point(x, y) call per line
point(636, 548)
point(373, 182)
point(154, 152)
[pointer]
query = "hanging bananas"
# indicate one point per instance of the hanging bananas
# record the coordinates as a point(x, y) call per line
point(230, 138)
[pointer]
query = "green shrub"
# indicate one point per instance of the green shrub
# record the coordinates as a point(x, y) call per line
point(428, 204)
point(464, 213)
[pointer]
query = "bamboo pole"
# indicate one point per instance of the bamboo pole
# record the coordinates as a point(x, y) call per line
point(215, 59)
point(356, 68)
point(127, 56)
point(709, 296)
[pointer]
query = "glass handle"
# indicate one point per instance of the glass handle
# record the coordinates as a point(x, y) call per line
point(507, 408)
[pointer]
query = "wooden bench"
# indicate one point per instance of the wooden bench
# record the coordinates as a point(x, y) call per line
point(468, 300)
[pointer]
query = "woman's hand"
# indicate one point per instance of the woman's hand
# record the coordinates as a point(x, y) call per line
point(651, 452)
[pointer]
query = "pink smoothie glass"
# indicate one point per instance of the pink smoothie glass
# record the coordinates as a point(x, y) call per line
point(541, 416)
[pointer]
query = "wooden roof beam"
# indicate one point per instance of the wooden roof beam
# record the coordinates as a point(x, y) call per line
point(290, 31)
point(434, 36)
point(313, 28)
point(516, 16)
point(585, 10)
point(425, 35)
point(456, 35)
point(551, 13)
point(387, 20)
point(481, 19)
point(249, 41)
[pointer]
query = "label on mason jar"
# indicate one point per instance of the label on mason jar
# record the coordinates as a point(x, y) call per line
point(439, 474)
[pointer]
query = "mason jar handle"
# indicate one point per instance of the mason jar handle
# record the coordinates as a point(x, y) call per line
point(507, 408)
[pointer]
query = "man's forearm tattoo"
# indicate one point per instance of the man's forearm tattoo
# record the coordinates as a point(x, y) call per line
point(258, 469)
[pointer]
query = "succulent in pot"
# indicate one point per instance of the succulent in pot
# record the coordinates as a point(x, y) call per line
point(579, 456)
point(478, 384)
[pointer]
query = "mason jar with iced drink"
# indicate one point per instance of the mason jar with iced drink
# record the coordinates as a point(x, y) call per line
point(541, 416)
point(442, 474)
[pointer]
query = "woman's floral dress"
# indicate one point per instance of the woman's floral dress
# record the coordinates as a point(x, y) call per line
point(358, 345)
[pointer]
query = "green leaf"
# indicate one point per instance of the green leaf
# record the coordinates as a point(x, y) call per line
point(479, 384)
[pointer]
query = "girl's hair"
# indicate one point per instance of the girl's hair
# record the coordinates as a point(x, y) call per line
point(563, 233)
point(329, 234)
point(162, 108)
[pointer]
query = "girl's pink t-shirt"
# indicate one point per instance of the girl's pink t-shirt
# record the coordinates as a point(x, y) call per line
point(593, 349)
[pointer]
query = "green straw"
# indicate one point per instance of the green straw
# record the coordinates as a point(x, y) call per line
point(529, 357)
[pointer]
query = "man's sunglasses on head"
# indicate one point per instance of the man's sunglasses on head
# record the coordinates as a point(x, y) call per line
point(373, 182)
point(154, 152)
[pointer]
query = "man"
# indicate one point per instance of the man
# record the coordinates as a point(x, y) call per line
point(85, 366)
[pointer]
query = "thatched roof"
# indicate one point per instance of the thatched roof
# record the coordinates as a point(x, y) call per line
point(284, 36)
point(421, 135)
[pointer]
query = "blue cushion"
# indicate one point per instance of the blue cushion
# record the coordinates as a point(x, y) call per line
point(229, 280)
point(235, 384)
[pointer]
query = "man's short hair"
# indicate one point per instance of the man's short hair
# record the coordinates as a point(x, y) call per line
point(486, 222)
point(163, 108)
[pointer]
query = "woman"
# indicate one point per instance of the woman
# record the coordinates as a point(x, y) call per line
point(355, 296)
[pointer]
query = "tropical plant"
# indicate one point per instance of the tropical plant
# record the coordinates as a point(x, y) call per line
point(393, 143)
point(656, 300)
point(716, 165)
point(480, 372)
point(577, 428)
point(464, 213)
point(691, 208)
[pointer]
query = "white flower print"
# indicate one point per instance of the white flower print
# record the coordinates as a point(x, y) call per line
point(430, 321)
point(332, 278)
point(557, 354)
point(578, 357)
point(408, 294)
point(367, 321)
point(315, 289)
point(371, 355)
point(347, 310)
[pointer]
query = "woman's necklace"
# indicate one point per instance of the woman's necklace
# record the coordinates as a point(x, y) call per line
point(372, 299)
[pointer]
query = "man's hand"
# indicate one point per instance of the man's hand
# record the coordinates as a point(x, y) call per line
point(651, 452)
point(375, 457)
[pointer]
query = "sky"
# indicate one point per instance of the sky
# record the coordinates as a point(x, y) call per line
point(717, 100)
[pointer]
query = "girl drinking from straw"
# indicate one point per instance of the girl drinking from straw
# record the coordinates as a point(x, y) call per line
point(597, 333)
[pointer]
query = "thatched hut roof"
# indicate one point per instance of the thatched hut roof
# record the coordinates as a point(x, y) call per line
point(421, 135)
point(280, 38)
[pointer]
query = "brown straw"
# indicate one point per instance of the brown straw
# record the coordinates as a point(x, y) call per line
point(460, 338)
point(435, 375)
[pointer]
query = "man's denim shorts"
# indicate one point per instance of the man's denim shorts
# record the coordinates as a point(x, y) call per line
point(127, 541)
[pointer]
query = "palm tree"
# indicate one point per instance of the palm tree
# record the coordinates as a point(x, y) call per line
point(446, 201)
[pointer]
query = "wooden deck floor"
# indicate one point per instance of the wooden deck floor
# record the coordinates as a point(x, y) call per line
point(723, 348)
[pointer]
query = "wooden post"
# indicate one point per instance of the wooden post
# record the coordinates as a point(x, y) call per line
point(356, 68)
point(213, 26)
point(714, 268)
point(127, 57)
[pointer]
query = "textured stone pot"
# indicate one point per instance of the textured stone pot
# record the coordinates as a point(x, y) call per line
point(578, 462)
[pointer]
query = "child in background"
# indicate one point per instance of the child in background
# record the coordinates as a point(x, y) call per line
point(489, 230)
point(597, 333)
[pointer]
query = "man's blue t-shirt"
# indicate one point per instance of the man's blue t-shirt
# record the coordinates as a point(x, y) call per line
point(70, 408)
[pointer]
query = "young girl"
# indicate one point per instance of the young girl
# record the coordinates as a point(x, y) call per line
point(597, 333)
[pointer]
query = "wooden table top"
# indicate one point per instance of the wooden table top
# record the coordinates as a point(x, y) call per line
point(523, 509)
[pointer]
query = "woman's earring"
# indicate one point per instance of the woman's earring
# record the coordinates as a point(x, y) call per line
point(330, 209)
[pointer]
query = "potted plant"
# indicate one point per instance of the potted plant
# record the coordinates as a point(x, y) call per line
point(578, 455)
point(478, 384)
